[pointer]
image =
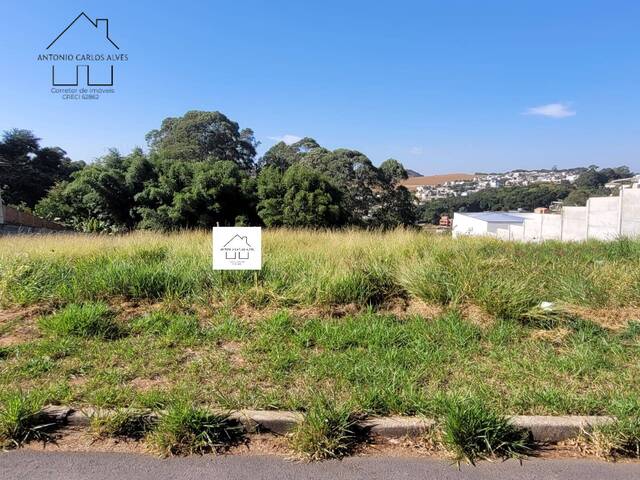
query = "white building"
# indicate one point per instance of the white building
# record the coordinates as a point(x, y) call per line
point(603, 218)
point(485, 223)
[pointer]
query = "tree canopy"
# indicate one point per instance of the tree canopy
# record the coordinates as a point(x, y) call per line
point(27, 170)
point(200, 136)
point(201, 169)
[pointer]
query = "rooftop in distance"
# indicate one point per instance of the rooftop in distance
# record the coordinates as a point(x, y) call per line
point(496, 217)
point(412, 182)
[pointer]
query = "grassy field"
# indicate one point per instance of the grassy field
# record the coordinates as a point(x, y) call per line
point(399, 322)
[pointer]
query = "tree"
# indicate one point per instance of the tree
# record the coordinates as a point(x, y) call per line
point(392, 171)
point(204, 136)
point(495, 199)
point(396, 209)
point(354, 175)
point(282, 156)
point(577, 198)
point(299, 197)
point(28, 171)
point(102, 192)
point(594, 178)
point(310, 199)
point(271, 192)
point(197, 194)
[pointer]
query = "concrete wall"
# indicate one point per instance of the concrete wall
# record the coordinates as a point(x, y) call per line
point(503, 234)
point(630, 212)
point(603, 220)
point(13, 216)
point(574, 224)
point(516, 232)
point(551, 227)
point(533, 229)
point(6, 229)
point(465, 225)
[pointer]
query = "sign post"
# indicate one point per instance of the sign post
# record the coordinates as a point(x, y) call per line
point(237, 248)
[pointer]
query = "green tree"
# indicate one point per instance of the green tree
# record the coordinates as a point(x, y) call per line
point(577, 197)
point(28, 171)
point(495, 199)
point(201, 136)
point(282, 156)
point(102, 193)
point(197, 194)
point(310, 200)
point(392, 171)
point(271, 191)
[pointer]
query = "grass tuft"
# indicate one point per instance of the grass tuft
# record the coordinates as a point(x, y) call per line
point(618, 440)
point(169, 325)
point(473, 432)
point(123, 423)
point(20, 421)
point(327, 431)
point(83, 320)
point(185, 429)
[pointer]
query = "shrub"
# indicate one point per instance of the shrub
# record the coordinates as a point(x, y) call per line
point(472, 431)
point(184, 429)
point(83, 320)
point(19, 419)
point(327, 431)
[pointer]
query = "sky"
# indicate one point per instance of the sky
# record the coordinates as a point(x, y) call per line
point(443, 86)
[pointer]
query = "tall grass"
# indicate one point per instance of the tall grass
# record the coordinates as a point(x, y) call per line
point(322, 268)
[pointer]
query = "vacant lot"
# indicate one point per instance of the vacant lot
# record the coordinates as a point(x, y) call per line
point(398, 322)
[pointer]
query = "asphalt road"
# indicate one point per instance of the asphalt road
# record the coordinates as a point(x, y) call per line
point(30, 465)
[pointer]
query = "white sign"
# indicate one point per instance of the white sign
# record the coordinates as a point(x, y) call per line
point(237, 248)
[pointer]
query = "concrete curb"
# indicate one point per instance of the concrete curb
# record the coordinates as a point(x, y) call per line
point(549, 429)
point(543, 429)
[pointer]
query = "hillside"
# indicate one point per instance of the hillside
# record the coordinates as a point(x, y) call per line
point(412, 182)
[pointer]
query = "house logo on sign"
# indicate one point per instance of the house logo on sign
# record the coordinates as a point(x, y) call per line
point(82, 59)
point(237, 248)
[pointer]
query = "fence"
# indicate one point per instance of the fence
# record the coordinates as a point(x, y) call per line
point(603, 218)
point(13, 220)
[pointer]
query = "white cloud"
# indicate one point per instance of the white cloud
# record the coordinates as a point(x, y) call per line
point(551, 110)
point(416, 151)
point(288, 138)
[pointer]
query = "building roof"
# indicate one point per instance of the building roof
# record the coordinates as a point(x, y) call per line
point(412, 183)
point(495, 217)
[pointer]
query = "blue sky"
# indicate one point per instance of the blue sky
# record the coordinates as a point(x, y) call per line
point(442, 86)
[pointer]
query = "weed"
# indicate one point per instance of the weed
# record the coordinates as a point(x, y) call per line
point(327, 431)
point(82, 320)
point(185, 429)
point(175, 327)
point(472, 432)
point(19, 419)
point(619, 439)
point(124, 423)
